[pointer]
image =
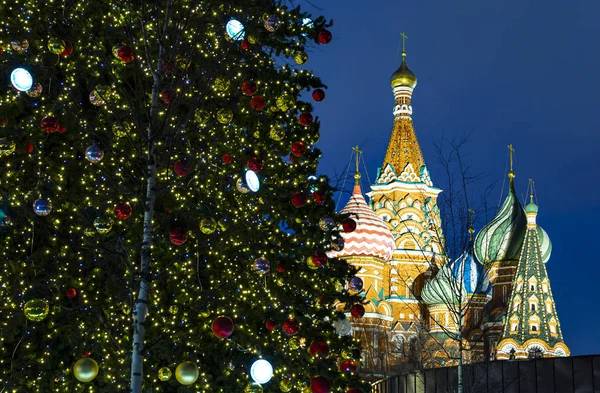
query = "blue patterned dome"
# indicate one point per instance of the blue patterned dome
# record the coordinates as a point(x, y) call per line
point(471, 273)
point(501, 238)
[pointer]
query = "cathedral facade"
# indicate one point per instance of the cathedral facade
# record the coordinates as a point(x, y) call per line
point(423, 309)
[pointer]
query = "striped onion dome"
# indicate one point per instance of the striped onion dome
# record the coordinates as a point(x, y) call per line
point(545, 244)
point(501, 238)
point(371, 238)
point(443, 289)
point(471, 273)
point(531, 211)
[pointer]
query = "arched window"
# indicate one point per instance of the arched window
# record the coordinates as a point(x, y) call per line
point(532, 306)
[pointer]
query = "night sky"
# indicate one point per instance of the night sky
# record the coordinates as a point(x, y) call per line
point(515, 71)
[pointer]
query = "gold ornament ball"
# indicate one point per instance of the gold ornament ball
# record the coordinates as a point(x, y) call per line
point(224, 116)
point(208, 226)
point(221, 84)
point(99, 95)
point(346, 354)
point(103, 224)
point(241, 186)
point(201, 116)
point(252, 39)
point(277, 132)
point(85, 370)
point(164, 374)
point(286, 102)
point(19, 46)
point(285, 385)
point(311, 264)
point(6, 147)
point(294, 343)
point(186, 373)
point(301, 57)
point(56, 45)
point(306, 389)
point(36, 310)
point(173, 310)
point(35, 91)
point(253, 388)
point(125, 308)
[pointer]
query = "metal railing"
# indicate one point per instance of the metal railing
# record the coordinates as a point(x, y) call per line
point(577, 374)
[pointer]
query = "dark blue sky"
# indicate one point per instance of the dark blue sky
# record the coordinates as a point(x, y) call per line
point(513, 71)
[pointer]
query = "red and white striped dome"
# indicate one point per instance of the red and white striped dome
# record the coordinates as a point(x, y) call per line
point(371, 238)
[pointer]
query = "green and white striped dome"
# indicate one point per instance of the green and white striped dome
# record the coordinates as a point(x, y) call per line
point(501, 238)
point(444, 288)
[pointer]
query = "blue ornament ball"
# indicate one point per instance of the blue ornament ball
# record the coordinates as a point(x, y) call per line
point(262, 265)
point(356, 284)
point(42, 207)
point(94, 154)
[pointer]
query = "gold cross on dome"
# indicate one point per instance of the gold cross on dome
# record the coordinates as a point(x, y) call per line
point(512, 150)
point(404, 37)
point(355, 148)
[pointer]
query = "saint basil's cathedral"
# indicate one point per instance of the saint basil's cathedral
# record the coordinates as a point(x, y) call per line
point(494, 302)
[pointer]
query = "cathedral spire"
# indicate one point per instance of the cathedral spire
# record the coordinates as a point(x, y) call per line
point(532, 328)
point(403, 152)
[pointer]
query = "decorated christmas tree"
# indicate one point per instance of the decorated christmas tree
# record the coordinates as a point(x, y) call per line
point(162, 225)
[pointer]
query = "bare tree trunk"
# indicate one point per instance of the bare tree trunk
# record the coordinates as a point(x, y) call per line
point(460, 357)
point(141, 306)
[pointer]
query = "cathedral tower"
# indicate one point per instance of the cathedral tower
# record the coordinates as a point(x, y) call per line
point(532, 328)
point(404, 197)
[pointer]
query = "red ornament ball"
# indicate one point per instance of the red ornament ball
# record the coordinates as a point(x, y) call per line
point(298, 148)
point(178, 236)
point(305, 118)
point(249, 88)
point(271, 325)
point(299, 199)
point(28, 148)
point(50, 124)
point(280, 267)
point(318, 95)
point(1, 50)
point(182, 167)
point(245, 45)
point(255, 164)
point(357, 310)
point(125, 54)
point(257, 103)
point(348, 366)
point(319, 197)
point(222, 326)
point(68, 49)
point(318, 348)
point(354, 390)
point(123, 210)
point(320, 385)
point(319, 258)
point(61, 129)
point(325, 36)
point(291, 326)
point(71, 293)
point(168, 95)
point(226, 158)
point(349, 225)
point(167, 67)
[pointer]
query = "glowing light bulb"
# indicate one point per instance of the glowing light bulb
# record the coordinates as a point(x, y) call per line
point(235, 29)
point(21, 79)
point(261, 371)
point(252, 180)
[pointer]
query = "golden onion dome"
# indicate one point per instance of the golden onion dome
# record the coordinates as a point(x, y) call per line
point(403, 77)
